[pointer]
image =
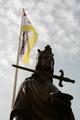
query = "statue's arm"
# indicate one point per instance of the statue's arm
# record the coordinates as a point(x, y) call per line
point(21, 108)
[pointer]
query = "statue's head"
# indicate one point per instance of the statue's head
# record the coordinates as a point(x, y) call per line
point(45, 60)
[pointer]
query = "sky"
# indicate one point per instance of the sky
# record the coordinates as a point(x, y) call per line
point(58, 24)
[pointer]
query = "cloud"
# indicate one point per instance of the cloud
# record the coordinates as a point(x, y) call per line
point(57, 23)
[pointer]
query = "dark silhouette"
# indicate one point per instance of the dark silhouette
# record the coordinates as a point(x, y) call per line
point(38, 98)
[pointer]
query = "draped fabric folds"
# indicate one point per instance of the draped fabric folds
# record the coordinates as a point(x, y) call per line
point(38, 100)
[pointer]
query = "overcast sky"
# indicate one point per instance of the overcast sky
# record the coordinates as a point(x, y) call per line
point(58, 24)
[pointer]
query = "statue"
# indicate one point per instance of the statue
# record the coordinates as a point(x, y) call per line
point(38, 98)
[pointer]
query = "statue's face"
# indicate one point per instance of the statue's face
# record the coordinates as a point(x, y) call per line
point(47, 61)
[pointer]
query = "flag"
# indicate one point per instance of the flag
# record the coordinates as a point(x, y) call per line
point(29, 37)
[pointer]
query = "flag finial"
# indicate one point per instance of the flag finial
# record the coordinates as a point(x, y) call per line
point(24, 12)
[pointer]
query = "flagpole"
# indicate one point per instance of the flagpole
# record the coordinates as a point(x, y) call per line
point(17, 63)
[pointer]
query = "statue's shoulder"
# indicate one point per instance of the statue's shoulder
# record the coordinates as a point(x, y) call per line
point(26, 83)
point(28, 80)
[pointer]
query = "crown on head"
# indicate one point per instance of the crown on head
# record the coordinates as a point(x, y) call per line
point(47, 50)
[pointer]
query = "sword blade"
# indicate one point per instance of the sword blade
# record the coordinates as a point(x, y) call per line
point(54, 76)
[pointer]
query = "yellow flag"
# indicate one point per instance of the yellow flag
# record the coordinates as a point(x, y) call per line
point(29, 38)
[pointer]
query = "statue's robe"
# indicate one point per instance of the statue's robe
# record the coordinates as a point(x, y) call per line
point(41, 100)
